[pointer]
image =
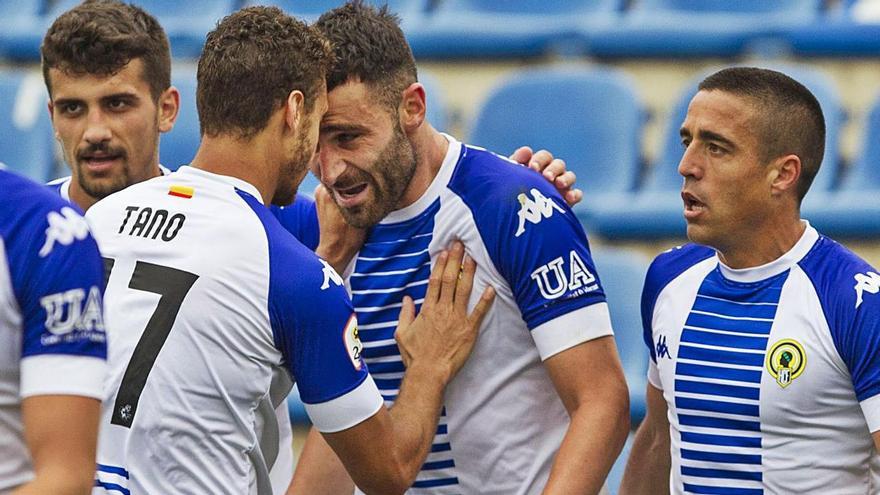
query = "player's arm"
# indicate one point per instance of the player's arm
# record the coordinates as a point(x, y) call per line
point(647, 469)
point(385, 453)
point(599, 411)
point(61, 433)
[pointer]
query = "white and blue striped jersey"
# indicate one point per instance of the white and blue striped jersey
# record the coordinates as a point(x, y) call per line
point(771, 374)
point(52, 339)
point(502, 421)
point(220, 307)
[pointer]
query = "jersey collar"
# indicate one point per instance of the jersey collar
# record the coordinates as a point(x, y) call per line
point(777, 266)
point(226, 179)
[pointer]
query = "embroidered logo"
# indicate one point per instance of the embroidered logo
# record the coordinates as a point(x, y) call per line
point(64, 228)
point(329, 274)
point(534, 210)
point(353, 344)
point(866, 282)
point(786, 361)
point(554, 279)
point(662, 349)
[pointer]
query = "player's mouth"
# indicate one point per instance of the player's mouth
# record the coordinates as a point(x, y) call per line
point(100, 162)
point(693, 207)
point(349, 196)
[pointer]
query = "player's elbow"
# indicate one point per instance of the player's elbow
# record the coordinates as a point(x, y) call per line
point(396, 478)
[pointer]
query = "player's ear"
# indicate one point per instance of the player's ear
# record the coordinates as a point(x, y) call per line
point(169, 106)
point(293, 110)
point(786, 172)
point(412, 107)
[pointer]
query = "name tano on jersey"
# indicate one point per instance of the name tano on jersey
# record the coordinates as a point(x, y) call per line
point(152, 224)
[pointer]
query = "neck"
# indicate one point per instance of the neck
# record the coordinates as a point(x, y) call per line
point(430, 149)
point(756, 250)
point(84, 200)
point(245, 159)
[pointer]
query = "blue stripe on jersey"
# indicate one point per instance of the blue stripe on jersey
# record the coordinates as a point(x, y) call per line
point(717, 382)
point(394, 262)
point(720, 490)
point(113, 470)
point(112, 487)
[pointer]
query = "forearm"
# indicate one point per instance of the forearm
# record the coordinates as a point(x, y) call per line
point(593, 441)
point(647, 469)
point(59, 482)
point(415, 414)
point(319, 471)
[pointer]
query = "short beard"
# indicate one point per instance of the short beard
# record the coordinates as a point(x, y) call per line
point(396, 166)
point(103, 187)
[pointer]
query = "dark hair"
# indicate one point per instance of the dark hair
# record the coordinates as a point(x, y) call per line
point(101, 37)
point(369, 47)
point(251, 62)
point(792, 120)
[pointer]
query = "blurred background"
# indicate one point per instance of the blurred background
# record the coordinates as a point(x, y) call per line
point(603, 84)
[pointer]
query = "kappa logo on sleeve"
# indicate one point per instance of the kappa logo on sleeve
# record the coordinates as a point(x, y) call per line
point(64, 228)
point(329, 274)
point(866, 282)
point(555, 278)
point(534, 210)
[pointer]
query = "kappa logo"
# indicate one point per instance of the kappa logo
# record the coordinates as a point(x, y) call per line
point(866, 282)
point(661, 348)
point(65, 311)
point(329, 274)
point(534, 210)
point(64, 228)
point(555, 279)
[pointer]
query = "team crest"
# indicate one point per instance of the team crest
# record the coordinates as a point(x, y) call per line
point(786, 361)
point(353, 342)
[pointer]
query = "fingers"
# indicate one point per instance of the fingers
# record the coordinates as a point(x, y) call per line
point(562, 181)
point(482, 307)
point(465, 283)
point(407, 315)
point(522, 155)
point(574, 197)
point(436, 280)
point(542, 160)
point(450, 274)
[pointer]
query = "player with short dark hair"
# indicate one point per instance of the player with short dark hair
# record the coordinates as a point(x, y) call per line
point(223, 307)
point(53, 348)
point(764, 334)
point(522, 417)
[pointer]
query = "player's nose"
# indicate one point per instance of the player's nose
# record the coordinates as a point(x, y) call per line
point(97, 128)
point(689, 166)
point(329, 166)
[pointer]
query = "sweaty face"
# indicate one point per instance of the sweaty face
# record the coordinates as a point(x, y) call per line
point(108, 127)
point(727, 186)
point(303, 153)
point(366, 160)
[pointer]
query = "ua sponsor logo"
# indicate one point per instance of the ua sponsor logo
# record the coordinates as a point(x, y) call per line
point(534, 210)
point(64, 228)
point(555, 279)
point(65, 311)
point(329, 274)
point(866, 282)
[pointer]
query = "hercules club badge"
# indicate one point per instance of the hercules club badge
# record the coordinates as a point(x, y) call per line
point(786, 361)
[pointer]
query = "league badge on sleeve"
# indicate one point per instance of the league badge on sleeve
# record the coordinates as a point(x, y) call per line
point(786, 361)
point(353, 342)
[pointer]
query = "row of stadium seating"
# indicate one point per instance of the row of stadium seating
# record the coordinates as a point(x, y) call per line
point(589, 116)
point(518, 28)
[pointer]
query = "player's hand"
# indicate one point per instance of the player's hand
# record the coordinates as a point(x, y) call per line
point(339, 241)
point(444, 334)
point(553, 169)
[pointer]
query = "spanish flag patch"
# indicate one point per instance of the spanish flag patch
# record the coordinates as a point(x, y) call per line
point(181, 191)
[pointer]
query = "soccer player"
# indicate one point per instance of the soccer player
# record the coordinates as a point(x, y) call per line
point(764, 334)
point(218, 300)
point(54, 351)
point(542, 404)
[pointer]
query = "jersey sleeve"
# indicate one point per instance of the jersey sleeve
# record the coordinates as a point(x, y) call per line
point(300, 218)
point(539, 247)
point(57, 278)
point(315, 328)
point(849, 291)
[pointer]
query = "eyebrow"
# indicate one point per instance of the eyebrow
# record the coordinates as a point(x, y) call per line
point(124, 94)
point(340, 127)
point(708, 136)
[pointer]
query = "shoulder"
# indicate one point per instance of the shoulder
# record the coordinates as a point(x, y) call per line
point(483, 176)
point(840, 277)
point(27, 206)
point(669, 265)
point(300, 218)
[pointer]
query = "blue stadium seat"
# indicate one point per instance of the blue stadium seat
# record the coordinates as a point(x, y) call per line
point(410, 11)
point(591, 117)
point(854, 210)
point(21, 29)
point(853, 31)
point(26, 144)
point(622, 274)
point(691, 28)
point(656, 210)
point(179, 146)
point(512, 28)
point(185, 23)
